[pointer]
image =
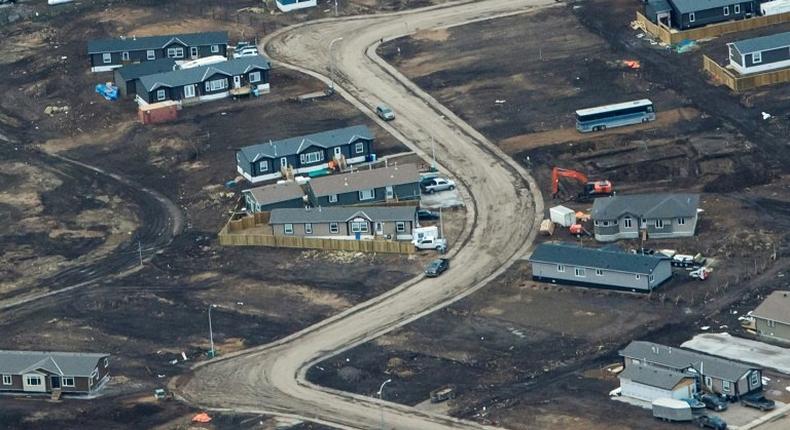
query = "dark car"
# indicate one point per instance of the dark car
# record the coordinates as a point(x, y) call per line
point(758, 401)
point(707, 421)
point(436, 267)
point(426, 215)
point(714, 402)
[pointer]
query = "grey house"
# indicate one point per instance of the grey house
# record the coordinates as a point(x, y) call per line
point(772, 317)
point(43, 372)
point(760, 54)
point(649, 383)
point(568, 263)
point(274, 196)
point(366, 186)
point(716, 375)
point(686, 14)
point(662, 215)
point(204, 83)
point(126, 77)
point(109, 54)
point(360, 222)
point(304, 154)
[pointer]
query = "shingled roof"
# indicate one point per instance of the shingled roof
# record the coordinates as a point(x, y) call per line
point(276, 193)
point(759, 44)
point(652, 376)
point(659, 205)
point(775, 307)
point(342, 214)
point(179, 78)
point(59, 363)
point(608, 258)
point(686, 6)
point(157, 42)
point(294, 145)
point(365, 179)
point(134, 71)
point(681, 359)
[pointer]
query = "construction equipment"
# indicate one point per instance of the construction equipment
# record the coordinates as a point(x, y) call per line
point(592, 189)
point(702, 273)
point(578, 230)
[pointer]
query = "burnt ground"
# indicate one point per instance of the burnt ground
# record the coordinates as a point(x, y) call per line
point(529, 355)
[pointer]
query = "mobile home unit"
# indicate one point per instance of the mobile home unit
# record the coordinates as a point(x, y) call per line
point(760, 54)
point(109, 54)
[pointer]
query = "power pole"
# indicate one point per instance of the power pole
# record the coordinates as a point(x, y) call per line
point(140, 251)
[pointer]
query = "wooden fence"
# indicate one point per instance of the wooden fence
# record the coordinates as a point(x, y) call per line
point(234, 234)
point(673, 37)
point(740, 83)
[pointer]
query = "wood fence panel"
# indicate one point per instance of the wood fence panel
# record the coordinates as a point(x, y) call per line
point(711, 30)
point(743, 83)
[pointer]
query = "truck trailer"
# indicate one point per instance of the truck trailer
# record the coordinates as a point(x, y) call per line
point(667, 409)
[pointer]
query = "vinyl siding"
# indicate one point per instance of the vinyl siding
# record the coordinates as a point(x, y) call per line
point(770, 56)
point(344, 229)
point(610, 279)
point(780, 331)
point(714, 15)
point(139, 56)
point(671, 229)
point(400, 192)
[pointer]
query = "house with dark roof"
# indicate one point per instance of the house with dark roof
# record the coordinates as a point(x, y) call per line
point(285, 195)
point(716, 375)
point(760, 54)
point(772, 317)
point(45, 372)
point(687, 14)
point(210, 82)
point(354, 222)
point(126, 77)
point(609, 267)
point(650, 383)
point(661, 215)
point(109, 54)
point(366, 186)
point(304, 154)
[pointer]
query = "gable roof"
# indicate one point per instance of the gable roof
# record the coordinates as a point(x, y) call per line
point(659, 5)
point(134, 71)
point(276, 193)
point(686, 6)
point(178, 78)
point(659, 205)
point(608, 258)
point(653, 376)
point(342, 214)
point(765, 43)
point(294, 145)
point(157, 42)
point(365, 180)
point(59, 363)
point(775, 307)
point(681, 360)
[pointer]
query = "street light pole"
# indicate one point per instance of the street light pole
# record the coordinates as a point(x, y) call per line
point(381, 395)
point(210, 331)
point(332, 65)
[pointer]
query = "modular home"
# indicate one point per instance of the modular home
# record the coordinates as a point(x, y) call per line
point(650, 383)
point(661, 215)
point(571, 264)
point(365, 186)
point(760, 54)
point(358, 222)
point(772, 317)
point(45, 372)
point(687, 14)
point(109, 54)
point(286, 195)
point(126, 77)
point(716, 375)
point(304, 154)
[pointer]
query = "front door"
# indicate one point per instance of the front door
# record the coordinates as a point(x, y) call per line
point(193, 52)
point(379, 229)
point(284, 163)
point(189, 91)
point(55, 382)
point(236, 81)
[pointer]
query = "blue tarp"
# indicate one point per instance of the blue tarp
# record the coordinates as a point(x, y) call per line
point(108, 91)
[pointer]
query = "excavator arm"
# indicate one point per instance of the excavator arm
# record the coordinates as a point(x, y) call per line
point(558, 172)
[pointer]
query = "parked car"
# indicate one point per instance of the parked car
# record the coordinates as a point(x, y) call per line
point(707, 421)
point(385, 113)
point(714, 402)
point(426, 215)
point(758, 401)
point(436, 243)
point(437, 267)
point(437, 184)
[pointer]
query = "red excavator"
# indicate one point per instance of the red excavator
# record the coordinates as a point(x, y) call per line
point(591, 190)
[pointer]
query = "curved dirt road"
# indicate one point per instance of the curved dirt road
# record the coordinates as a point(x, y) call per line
point(504, 209)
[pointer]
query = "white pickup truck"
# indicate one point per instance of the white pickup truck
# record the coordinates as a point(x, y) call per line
point(437, 243)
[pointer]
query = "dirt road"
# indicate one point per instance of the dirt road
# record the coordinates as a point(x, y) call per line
point(504, 208)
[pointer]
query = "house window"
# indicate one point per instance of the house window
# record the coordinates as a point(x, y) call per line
point(757, 57)
point(681, 221)
point(771, 323)
point(692, 18)
point(596, 223)
point(737, 9)
point(216, 85)
point(125, 56)
point(150, 54)
point(650, 278)
point(308, 228)
point(367, 195)
point(560, 268)
point(175, 52)
point(400, 226)
point(312, 157)
point(755, 379)
point(333, 198)
point(627, 222)
point(94, 374)
point(333, 228)
point(579, 271)
point(289, 228)
point(106, 57)
point(33, 380)
point(708, 382)
point(255, 76)
point(726, 386)
point(193, 51)
point(598, 272)
point(726, 11)
point(338, 150)
point(359, 227)
point(263, 166)
point(67, 382)
point(214, 49)
point(7, 380)
point(638, 277)
point(659, 223)
point(160, 95)
point(359, 148)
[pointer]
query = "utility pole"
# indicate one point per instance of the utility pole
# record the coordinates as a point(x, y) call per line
point(335, 8)
point(381, 399)
point(441, 223)
point(433, 154)
point(140, 251)
point(332, 65)
point(211, 332)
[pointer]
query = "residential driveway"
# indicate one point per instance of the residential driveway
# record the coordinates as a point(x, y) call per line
point(442, 199)
point(745, 350)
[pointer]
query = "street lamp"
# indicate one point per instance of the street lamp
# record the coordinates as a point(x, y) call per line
point(332, 66)
point(381, 395)
point(210, 332)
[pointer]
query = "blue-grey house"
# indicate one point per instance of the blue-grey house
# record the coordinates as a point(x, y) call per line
point(274, 196)
point(686, 14)
point(304, 154)
point(609, 267)
point(126, 77)
point(109, 54)
point(366, 186)
point(204, 83)
point(761, 54)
